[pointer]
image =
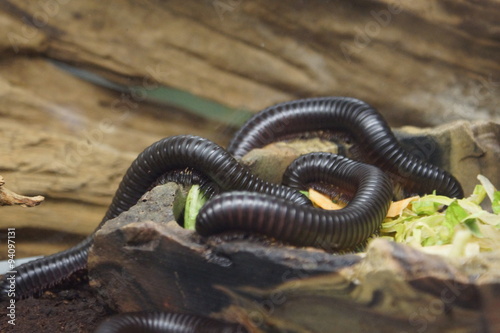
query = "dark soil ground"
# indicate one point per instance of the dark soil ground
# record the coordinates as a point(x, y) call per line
point(71, 307)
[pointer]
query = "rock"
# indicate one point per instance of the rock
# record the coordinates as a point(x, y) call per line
point(143, 260)
point(465, 149)
point(271, 161)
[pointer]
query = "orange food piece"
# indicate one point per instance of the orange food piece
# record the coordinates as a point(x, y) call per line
point(396, 207)
point(323, 201)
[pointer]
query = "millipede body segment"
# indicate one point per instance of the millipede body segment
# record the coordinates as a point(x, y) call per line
point(306, 225)
point(165, 322)
point(372, 135)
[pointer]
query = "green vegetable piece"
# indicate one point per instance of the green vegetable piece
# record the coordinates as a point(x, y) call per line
point(463, 229)
point(472, 225)
point(454, 215)
point(459, 243)
point(496, 202)
point(306, 193)
point(478, 194)
point(488, 186)
point(424, 207)
point(437, 199)
point(194, 201)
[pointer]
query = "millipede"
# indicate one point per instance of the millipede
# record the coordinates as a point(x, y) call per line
point(371, 133)
point(307, 225)
point(156, 322)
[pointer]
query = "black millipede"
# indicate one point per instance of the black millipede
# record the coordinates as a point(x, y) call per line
point(169, 154)
point(165, 322)
point(371, 133)
point(306, 225)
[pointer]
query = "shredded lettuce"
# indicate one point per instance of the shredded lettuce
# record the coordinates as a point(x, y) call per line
point(447, 226)
point(194, 201)
point(496, 202)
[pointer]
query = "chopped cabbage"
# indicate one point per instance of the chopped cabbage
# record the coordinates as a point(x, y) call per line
point(194, 201)
point(447, 226)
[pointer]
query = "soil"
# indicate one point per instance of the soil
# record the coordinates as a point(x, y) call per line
point(70, 307)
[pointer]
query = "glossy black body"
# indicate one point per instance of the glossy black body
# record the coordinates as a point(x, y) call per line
point(372, 137)
point(165, 322)
point(306, 225)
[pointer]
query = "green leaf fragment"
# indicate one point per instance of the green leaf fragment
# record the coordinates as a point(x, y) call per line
point(306, 193)
point(469, 206)
point(473, 227)
point(438, 199)
point(424, 207)
point(194, 201)
point(459, 243)
point(495, 204)
point(488, 186)
point(487, 218)
point(478, 194)
point(454, 215)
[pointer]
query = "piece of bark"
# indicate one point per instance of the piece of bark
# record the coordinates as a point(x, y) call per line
point(9, 198)
point(142, 260)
